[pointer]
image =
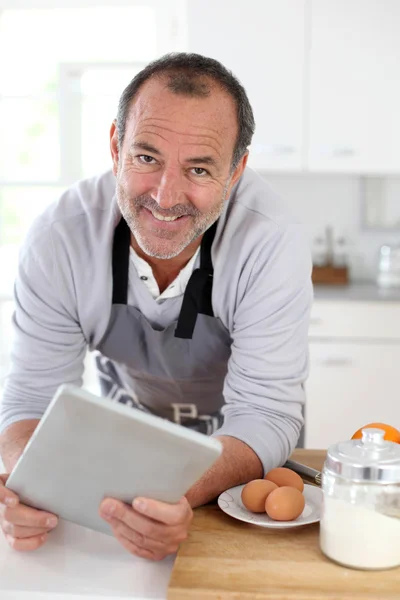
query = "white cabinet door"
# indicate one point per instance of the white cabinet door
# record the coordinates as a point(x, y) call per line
point(350, 385)
point(354, 94)
point(359, 321)
point(262, 42)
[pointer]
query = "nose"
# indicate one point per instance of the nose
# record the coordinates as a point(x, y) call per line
point(169, 191)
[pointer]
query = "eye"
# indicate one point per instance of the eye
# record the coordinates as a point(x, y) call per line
point(146, 159)
point(199, 171)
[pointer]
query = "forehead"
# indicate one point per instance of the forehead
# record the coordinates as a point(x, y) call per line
point(155, 109)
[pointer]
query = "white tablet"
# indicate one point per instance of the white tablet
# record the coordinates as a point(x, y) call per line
point(86, 448)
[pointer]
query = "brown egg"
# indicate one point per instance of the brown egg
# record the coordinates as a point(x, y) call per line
point(255, 493)
point(283, 476)
point(285, 504)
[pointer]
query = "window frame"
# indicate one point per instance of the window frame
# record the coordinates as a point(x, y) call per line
point(171, 27)
point(70, 114)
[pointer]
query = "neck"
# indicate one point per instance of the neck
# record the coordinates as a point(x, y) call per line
point(166, 270)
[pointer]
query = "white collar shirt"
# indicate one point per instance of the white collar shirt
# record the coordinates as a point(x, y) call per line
point(175, 288)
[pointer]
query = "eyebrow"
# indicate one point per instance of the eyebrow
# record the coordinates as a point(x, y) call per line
point(146, 147)
point(203, 160)
point(195, 160)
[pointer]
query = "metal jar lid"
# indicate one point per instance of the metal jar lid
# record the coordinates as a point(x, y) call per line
point(370, 459)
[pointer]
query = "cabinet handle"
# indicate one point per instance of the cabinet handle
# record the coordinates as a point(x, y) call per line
point(345, 151)
point(336, 362)
point(277, 149)
point(283, 150)
point(337, 152)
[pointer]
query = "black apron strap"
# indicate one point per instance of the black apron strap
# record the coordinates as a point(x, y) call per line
point(198, 294)
point(120, 262)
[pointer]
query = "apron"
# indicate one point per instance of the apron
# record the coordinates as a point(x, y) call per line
point(177, 372)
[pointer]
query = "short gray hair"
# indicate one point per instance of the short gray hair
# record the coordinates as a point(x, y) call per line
point(187, 74)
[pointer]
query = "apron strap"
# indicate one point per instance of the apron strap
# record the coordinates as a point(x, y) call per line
point(120, 262)
point(198, 293)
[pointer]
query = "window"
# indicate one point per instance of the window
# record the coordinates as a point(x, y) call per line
point(59, 92)
point(87, 112)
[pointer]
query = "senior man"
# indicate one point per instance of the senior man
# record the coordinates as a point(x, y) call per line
point(186, 276)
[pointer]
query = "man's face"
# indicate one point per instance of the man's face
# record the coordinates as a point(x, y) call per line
point(174, 168)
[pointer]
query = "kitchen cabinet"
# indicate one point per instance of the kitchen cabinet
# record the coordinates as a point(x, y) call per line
point(321, 76)
point(354, 369)
point(350, 385)
point(354, 88)
point(262, 43)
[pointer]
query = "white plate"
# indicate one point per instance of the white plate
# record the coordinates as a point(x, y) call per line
point(230, 502)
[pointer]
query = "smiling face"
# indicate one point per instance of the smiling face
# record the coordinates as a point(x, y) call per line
point(174, 167)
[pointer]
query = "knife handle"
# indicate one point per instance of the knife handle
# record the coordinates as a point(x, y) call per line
point(307, 473)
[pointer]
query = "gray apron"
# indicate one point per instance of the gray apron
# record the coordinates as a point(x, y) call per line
point(178, 372)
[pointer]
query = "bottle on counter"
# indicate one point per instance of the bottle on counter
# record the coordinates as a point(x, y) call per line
point(360, 523)
point(389, 266)
point(319, 252)
point(340, 254)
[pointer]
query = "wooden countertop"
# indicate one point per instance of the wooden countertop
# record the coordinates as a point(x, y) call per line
point(225, 559)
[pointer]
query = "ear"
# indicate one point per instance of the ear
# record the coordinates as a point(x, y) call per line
point(114, 146)
point(237, 173)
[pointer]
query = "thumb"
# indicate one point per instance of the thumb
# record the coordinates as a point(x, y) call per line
point(7, 496)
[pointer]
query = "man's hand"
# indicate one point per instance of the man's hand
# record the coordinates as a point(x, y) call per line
point(25, 528)
point(148, 528)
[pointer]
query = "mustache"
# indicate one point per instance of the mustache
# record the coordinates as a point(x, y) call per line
point(179, 210)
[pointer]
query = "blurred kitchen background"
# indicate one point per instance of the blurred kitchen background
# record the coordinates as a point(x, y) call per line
point(323, 79)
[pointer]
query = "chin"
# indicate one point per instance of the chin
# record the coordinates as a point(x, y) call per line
point(162, 251)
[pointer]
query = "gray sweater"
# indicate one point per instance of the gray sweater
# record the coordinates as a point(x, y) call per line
point(262, 293)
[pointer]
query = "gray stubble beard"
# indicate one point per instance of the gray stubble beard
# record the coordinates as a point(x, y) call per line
point(130, 211)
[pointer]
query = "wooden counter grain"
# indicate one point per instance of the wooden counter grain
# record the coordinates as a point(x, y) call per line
point(225, 559)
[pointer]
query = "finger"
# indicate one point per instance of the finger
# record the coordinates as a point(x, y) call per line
point(141, 524)
point(7, 497)
point(29, 517)
point(142, 553)
point(19, 532)
point(170, 514)
point(28, 544)
point(141, 541)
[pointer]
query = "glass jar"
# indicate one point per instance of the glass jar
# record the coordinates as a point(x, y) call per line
point(360, 523)
point(388, 275)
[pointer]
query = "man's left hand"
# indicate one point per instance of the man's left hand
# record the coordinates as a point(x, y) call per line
point(149, 528)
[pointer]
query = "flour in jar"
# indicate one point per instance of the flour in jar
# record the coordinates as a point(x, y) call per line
point(359, 537)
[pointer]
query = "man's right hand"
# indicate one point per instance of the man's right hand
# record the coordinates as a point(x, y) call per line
point(25, 528)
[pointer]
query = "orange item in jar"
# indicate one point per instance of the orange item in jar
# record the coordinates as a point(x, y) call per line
point(391, 433)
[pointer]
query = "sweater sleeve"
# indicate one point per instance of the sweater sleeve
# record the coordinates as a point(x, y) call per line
point(48, 346)
point(264, 386)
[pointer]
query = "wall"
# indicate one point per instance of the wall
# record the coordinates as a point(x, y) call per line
point(321, 200)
